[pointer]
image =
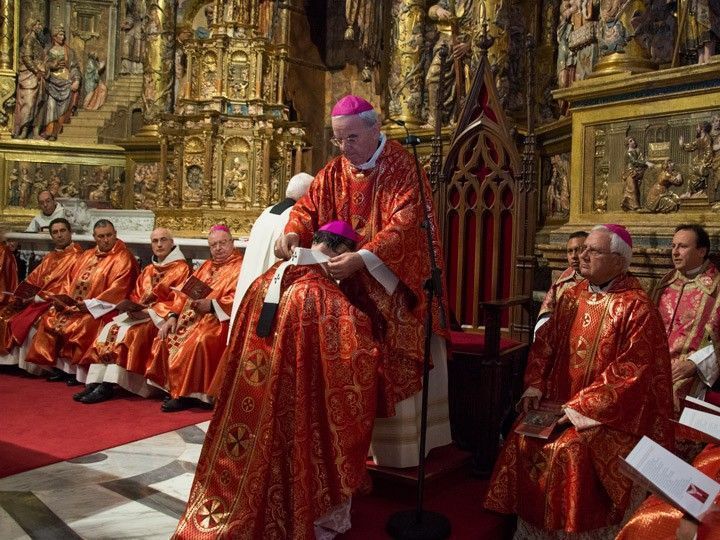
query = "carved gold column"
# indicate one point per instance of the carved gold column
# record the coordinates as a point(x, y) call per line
point(158, 64)
point(9, 38)
point(406, 73)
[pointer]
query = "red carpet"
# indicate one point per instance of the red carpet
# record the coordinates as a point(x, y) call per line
point(457, 497)
point(41, 424)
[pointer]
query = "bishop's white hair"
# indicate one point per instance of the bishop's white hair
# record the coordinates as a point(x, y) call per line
point(298, 186)
point(370, 117)
point(617, 245)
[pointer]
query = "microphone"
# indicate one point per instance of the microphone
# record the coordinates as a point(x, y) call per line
point(412, 140)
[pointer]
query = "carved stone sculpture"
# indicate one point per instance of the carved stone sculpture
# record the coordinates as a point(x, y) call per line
point(63, 85)
point(702, 162)
point(30, 81)
point(632, 176)
point(659, 198)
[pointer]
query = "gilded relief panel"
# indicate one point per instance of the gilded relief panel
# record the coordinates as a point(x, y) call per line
point(658, 164)
point(236, 177)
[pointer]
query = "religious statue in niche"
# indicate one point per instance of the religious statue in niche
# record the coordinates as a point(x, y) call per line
point(558, 191)
point(209, 77)
point(62, 85)
point(14, 187)
point(702, 161)
point(26, 184)
point(145, 185)
point(204, 32)
point(239, 76)
point(95, 88)
point(699, 25)
point(632, 175)
point(454, 32)
point(31, 71)
point(236, 178)
point(565, 66)
point(193, 180)
point(131, 44)
point(660, 199)
point(101, 183)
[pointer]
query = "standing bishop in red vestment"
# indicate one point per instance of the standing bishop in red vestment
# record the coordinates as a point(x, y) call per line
point(17, 317)
point(100, 279)
point(287, 446)
point(373, 186)
point(120, 352)
point(190, 343)
point(603, 356)
point(688, 299)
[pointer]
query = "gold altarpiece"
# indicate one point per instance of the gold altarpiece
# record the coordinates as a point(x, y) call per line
point(641, 155)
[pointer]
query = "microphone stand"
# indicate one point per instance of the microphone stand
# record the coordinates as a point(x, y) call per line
point(419, 524)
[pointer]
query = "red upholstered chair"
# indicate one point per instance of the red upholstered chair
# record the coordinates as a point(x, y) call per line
point(488, 237)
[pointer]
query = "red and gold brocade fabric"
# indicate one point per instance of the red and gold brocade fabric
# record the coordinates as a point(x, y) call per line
point(106, 276)
point(154, 288)
point(292, 424)
point(605, 356)
point(569, 278)
point(659, 520)
point(185, 362)
point(50, 276)
point(8, 272)
point(383, 205)
point(690, 309)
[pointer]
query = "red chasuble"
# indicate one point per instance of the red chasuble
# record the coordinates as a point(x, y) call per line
point(292, 424)
point(184, 363)
point(605, 356)
point(383, 206)
point(50, 275)
point(659, 520)
point(106, 276)
point(153, 289)
point(690, 309)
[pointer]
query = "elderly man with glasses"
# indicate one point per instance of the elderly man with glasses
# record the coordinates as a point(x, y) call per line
point(187, 350)
point(602, 360)
point(375, 188)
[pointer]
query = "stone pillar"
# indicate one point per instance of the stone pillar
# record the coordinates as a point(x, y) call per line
point(406, 71)
point(158, 64)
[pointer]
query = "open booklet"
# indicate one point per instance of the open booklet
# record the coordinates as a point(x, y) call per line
point(24, 291)
point(699, 425)
point(540, 422)
point(668, 476)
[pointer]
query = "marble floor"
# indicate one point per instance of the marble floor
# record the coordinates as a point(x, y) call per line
point(137, 490)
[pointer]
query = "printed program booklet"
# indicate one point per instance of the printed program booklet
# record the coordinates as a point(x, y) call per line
point(668, 476)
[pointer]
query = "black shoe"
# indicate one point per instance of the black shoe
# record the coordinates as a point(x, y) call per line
point(88, 390)
point(72, 381)
point(57, 375)
point(174, 405)
point(103, 392)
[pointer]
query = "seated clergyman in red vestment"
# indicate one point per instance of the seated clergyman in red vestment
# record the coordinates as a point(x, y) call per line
point(373, 186)
point(101, 278)
point(17, 317)
point(603, 356)
point(688, 299)
point(659, 520)
point(287, 446)
point(190, 343)
point(120, 352)
point(567, 280)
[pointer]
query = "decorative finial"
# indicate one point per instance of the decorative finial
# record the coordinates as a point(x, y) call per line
point(485, 39)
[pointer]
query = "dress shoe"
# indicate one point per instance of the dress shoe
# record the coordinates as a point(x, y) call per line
point(178, 404)
point(103, 392)
point(88, 389)
point(57, 375)
point(72, 381)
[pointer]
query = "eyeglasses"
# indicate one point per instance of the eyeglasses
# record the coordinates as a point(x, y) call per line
point(340, 142)
point(220, 243)
point(593, 252)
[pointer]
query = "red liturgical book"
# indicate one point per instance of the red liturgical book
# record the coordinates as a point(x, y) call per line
point(196, 288)
point(26, 290)
point(540, 422)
